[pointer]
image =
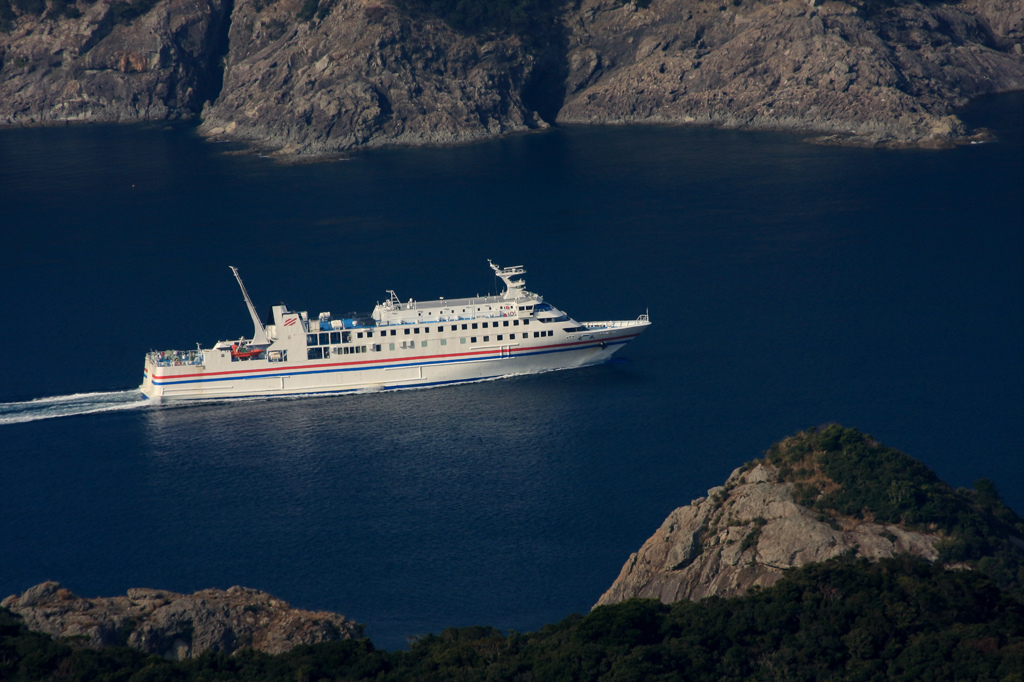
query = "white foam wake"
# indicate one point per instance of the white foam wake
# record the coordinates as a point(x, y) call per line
point(70, 405)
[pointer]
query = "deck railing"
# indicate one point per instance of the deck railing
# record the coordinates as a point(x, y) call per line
point(173, 358)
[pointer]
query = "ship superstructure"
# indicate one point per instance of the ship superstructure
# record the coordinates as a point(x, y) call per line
point(400, 345)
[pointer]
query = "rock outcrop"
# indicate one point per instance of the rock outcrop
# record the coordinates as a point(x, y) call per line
point(859, 72)
point(364, 75)
point(101, 67)
point(746, 534)
point(178, 626)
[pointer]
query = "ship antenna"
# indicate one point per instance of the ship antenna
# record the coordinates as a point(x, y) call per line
point(259, 335)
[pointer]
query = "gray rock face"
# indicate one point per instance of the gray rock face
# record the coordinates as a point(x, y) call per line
point(92, 68)
point(364, 75)
point(178, 626)
point(862, 76)
point(747, 533)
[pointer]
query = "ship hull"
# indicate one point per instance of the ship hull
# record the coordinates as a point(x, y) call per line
point(384, 370)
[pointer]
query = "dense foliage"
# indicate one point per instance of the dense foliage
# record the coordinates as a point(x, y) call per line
point(521, 17)
point(898, 619)
point(7, 17)
point(121, 11)
point(840, 471)
point(124, 12)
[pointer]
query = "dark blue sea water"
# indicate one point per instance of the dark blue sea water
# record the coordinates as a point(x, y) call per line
point(789, 285)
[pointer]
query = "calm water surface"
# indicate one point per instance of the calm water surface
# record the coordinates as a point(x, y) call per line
point(789, 286)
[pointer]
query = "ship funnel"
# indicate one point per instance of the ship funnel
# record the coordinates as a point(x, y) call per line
point(259, 335)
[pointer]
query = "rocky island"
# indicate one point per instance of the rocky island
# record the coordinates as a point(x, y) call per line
point(833, 557)
point(177, 626)
point(316, 77)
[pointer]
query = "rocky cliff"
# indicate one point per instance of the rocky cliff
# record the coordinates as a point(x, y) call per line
point(106, 65)
point(322, 76)
point(364, 74)
point(868, 72)
point(178, 626)
point(816, 496)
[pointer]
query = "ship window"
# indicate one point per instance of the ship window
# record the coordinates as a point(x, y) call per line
point(486, 339)
point(454, 327)
point(417, 330)
point(515, 323)
point(346, 337)
point(423, 343)
point(522, 307)
point(504, 323)
point(485, 325)
point(536, 334)
point(376, 347)
point(314, 353)
point(407, 331)
point(325, 339)
point(465, 326)
point(369, 335)
point(335, 337)
point(391, 346)
point(474, 325)
point(472, 339)
point(359, 335)
point(444, 342)
point(311, 339)
point(462, 339)
point(512, 337)
point(526, 322)
point(499, 337)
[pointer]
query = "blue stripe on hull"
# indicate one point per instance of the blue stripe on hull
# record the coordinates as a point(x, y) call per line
point(293, 373)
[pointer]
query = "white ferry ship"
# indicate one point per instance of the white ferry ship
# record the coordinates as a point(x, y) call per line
point(400, 345)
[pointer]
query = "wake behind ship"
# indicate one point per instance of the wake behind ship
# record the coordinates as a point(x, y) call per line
point(401, 345)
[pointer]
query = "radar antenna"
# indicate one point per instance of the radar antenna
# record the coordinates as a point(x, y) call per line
point(514, 288)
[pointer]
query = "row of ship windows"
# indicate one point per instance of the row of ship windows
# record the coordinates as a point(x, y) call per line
point(329, 338)
point(319, 353)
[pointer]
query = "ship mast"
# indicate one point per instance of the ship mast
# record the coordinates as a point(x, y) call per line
point(259, 335)
point(514, 288)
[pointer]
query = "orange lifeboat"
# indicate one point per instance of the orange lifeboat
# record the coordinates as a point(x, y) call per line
point(244, 353)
